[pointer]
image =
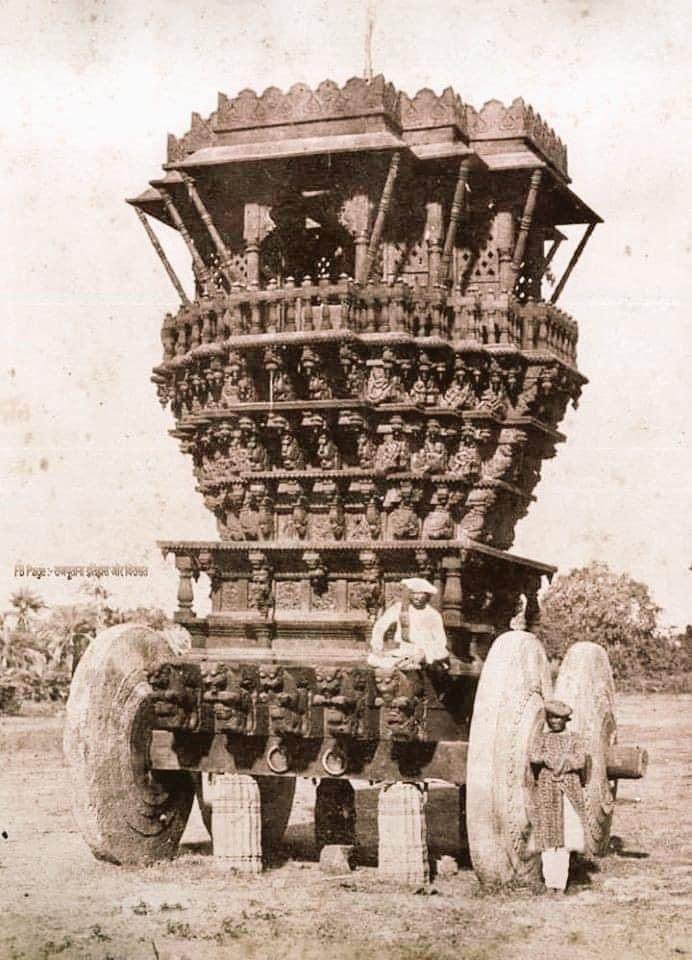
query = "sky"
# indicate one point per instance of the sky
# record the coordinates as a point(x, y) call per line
point(88, 472)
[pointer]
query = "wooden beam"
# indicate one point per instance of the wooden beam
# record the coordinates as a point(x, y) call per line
point(454, 219)
point(206, 218)
point(573, 262)
point(199, 264)
point(162, 256)
point(382, 210)
point(551, 253)
point(525, 222)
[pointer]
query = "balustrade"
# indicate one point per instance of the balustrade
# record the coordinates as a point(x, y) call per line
point(371, 308)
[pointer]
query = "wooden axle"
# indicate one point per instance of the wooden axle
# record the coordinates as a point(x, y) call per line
point(626, 763)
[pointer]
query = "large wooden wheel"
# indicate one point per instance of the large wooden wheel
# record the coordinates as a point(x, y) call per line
point(126, 813)
point(276, 798)
point(585, 682)
point(507, 712)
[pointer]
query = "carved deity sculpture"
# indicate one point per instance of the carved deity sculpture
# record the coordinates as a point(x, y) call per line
point(328, 456)
point(394, 452)
point(432, 456)
point(439, 523)
point(403, 522)
point(382, 386)
point(460, 394)
point(494, 397)
point(478, 507)
point(292, 457)
point(466, 461)
point(366, 451)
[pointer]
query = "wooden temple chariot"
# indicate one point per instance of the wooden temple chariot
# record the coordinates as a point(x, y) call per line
point(367, 378)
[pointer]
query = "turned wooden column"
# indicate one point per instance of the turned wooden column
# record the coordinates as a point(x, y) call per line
point(433, 230)
point(186, 572)
point(504, 239)
point(382, 210)
point(455, 215)
point(198, 263)
point(206, 218)
point(525, 222)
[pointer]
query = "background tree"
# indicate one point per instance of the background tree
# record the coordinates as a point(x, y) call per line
point(25, 603)
point(615, 611)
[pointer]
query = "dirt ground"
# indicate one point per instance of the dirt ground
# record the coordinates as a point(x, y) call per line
point(56, 900)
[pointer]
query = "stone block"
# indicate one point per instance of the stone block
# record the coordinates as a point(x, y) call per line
point(336, 858)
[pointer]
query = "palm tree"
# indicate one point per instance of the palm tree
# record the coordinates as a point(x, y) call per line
point(96, 590)
point(66, 633)
point(25, 603)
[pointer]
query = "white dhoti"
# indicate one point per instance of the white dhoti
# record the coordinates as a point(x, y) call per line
point(555, 862)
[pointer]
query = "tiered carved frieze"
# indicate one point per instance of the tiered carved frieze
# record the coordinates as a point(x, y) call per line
point(364, 438)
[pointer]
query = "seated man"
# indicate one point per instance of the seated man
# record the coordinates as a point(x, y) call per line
point(419, 632)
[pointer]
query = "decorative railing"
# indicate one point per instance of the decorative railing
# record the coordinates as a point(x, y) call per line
point(489, 319)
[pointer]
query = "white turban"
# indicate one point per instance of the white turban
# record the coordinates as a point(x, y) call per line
point(419, 585)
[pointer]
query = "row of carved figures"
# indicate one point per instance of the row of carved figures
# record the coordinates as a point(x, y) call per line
point(254, 445)
point(475, 382)
point(250, 511)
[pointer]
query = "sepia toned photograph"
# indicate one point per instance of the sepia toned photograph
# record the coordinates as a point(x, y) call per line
point(346, 552)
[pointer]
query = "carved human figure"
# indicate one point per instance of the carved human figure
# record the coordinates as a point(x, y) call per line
point(466, 461)
point(328, 456)
point(460, 394)
point(366, 449)
point(558, 762)
point(257, 455)
point(394, 452)
point(439, 524)
point(381, 386)
point(494, 397)
point(230, 392)
point(259, 589)
point(475, 521)
point(403, 522)
point(419, 633)
point(291, 455)
point(419, 388)
point(432, 456)
point(249, 517)
point(238, 459)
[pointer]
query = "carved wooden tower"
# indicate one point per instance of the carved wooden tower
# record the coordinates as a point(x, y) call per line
point(367, 379)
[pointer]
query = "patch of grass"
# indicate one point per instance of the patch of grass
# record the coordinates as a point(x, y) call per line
point(175, 928)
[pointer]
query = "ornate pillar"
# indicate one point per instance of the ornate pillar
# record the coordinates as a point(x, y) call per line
point(525, 222)
point(455, 215)
point(382, 210)
point(504, 239)
point(256, 226)
point(186, 571)
point(433, 231)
